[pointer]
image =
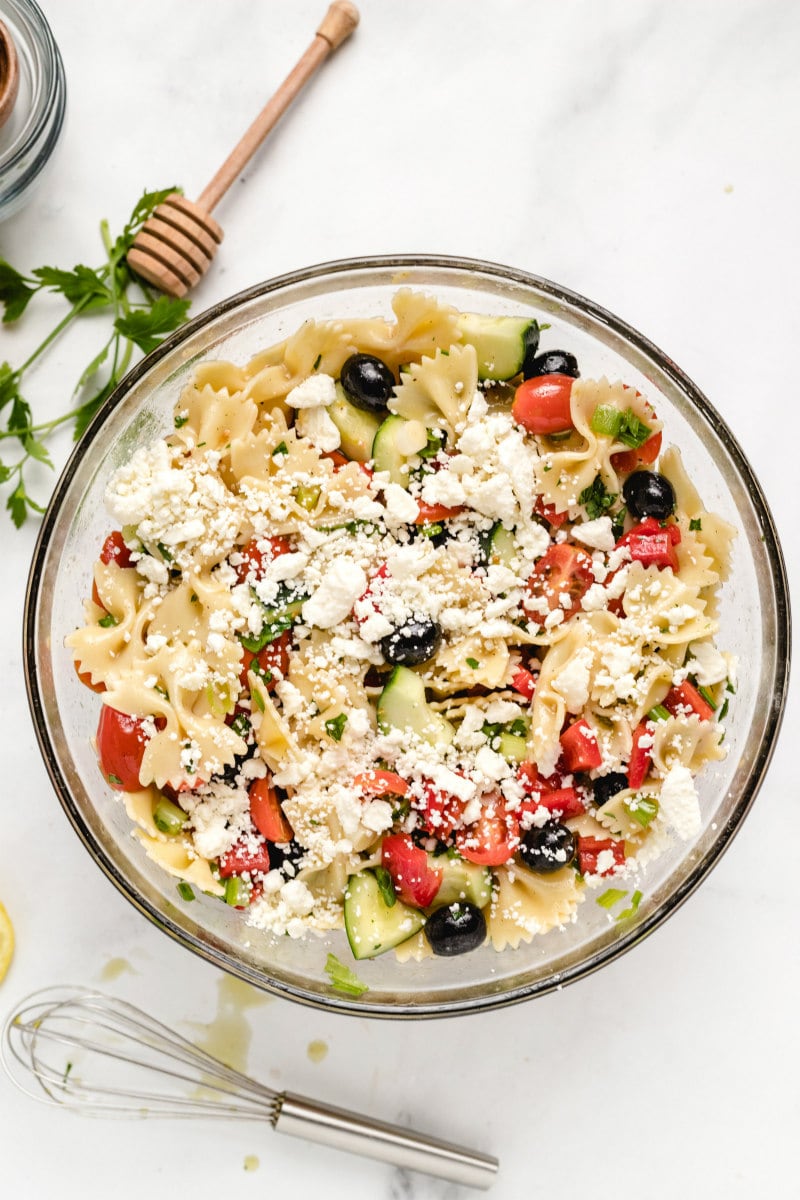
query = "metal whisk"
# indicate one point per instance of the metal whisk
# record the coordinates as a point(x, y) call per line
point(104, 1057)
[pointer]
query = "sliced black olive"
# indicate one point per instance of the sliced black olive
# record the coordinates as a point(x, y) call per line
point(549, 848)
point(282, 852)
point(648, 494)
point(456, 929)
point(606, 786)
point(367, 382)
point(554, 362)
point(412, 643)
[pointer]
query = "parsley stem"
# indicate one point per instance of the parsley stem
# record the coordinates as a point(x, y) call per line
point(52, 335)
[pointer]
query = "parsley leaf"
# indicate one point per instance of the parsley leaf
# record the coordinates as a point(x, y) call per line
point(81, 285)
point(596, 499)
point(15, 292)
point(335, 726)
point(147, 328)
point(633, 432)
point(386, 887)
point(695, 524)
point(473, 662)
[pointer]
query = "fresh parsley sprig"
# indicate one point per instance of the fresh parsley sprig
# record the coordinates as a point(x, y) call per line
point(140, 320)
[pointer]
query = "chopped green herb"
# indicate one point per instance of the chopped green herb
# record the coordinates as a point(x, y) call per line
point(241, 725)
point(431, 531)
point(386, 886)
point(335, 726)
point(519, 727)
point(67, 1072)
point(237, 892)
point(548, 467)
point(193, 598)
point(307, 497)
point(723, 712)
point(108, 621)
point(436, 441)
point(180, 421)
point(258, 700)
point(185, 890)
point(164, 551)
point(342, 978)
point(730, 688)
point(708, 697)
point(595, 499)
point(642, 809)
point(632, 432)
point(317, 361)
point(162, 691)
point(695, 523)
point(658, 713)
point(610, 897)
point(473, 662)
point(115, 779)
point(281, 448)
point(636, 900)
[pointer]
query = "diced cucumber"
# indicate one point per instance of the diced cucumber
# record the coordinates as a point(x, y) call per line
point(307, 497)
point(402, 705)
point(385, 453)
point(372, 926)
point(461, 880)
point(357, 428)
point(500, 547)
point(277, 619)
point(513, 747)
point(501, 343)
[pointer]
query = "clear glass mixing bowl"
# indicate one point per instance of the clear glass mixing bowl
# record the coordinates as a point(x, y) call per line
point(754, 625)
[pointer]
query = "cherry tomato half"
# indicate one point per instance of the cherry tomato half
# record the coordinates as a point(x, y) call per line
point(272, 663)
point(562, 570)
point(381, 783)
point(415, 881)
point(439, 812)
point(429, 514)
point(542, 404)
point(266, 812)
point(254, 559)
point(121, 742)
point(626, 461)
point(114, 550)
point(245, 857)
point(494, 838)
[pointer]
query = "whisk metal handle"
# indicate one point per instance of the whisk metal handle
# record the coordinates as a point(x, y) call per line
point(300, 1117)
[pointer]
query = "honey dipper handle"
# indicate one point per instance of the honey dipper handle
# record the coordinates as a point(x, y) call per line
point(338, 23)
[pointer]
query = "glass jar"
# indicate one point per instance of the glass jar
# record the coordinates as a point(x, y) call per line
point(30, 134)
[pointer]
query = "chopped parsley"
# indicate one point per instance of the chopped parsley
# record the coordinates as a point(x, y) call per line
point(632, 432)
point(258, 700)
point(596, 499)
point(185, 890)
point(386, 886)
point(695, 523)
point(180, 422)
point(164, 551)
point(115, 779)
point(241, 724)
point(473, 662)
point(342, 978)
point(435, 443)
point(317, 361)
point(281, 448)
point(335, 726)
point(108, 620)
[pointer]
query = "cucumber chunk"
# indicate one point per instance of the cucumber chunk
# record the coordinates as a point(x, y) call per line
point(513, 747)
point(402, 705)
point(373, 927)
point(500, 547)
point(385, 453)
point(357, 428)
point(461, 880)
point(501, 343)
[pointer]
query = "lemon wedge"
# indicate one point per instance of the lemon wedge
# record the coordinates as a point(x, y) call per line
point(6, 942)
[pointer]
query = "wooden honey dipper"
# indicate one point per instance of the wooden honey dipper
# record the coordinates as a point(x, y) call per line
point(176, 246)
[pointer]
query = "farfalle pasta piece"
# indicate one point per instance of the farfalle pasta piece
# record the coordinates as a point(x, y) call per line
point(422, 326)
point(440, 389)
point(686, 741)
point(525, 904)
point(177, 858)
point(712, 532)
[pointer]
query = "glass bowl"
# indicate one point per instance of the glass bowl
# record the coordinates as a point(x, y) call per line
point(29, 137)
point(754, 625)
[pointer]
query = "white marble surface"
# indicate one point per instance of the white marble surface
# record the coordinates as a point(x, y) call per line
point(645, 155)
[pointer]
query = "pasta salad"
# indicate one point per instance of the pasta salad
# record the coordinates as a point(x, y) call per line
point(407, 628)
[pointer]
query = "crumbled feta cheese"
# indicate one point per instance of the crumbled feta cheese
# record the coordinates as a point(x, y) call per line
point(707, 664)
point(316, 425)
point(316, 391)
point(339, 588)
point(598, 533)
point(679, 808)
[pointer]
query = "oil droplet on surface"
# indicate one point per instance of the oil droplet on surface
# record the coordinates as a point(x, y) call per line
point(317, 1051)
point(251, 1162)
point(114, 968)
point(228, 1036)
point(728, 188)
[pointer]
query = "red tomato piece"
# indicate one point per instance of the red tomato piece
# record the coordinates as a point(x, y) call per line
point(686, 696)
point(272, 662)
point(370, 593)
point(415, 881)
point(566, 802)
point(254, 560)
point(524, 682)
point(338, 459)
point(625, 461)
point(429, 514)
point(641, 758)
point(86, 679)
point(266, 812)
point(440, 812)
point(381, 783)
point(548, 511)
point(580, 751)
point(245, 857)
point(114, 550)
point(121, 742)
point(548, 793)
point(653, 544)
point(492, 839)
point(542, 404)
point(590, 849)
point(562, 569)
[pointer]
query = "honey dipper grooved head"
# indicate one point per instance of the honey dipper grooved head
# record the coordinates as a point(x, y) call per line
point(175, 247)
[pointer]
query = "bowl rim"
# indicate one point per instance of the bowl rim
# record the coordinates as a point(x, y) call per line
point(334, 1002)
